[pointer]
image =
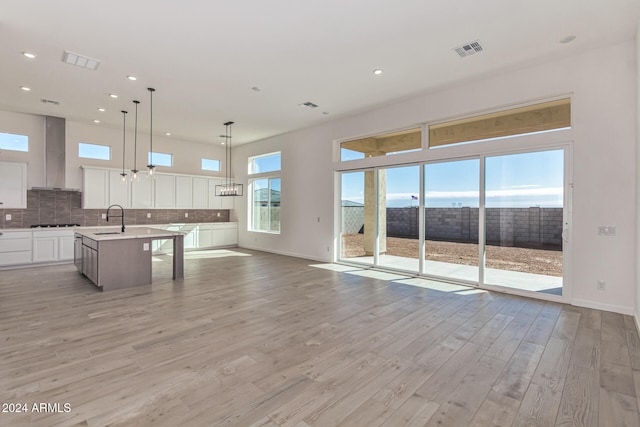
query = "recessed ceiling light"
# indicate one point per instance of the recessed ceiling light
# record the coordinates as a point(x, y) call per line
point(377, 71)
point(168, 133)
point(326, 113)
point(96, 121)
point(29, 55)
point(133, 78)
point(102, 110)
point(25, 88)
point(567, 39)
point(113, 95)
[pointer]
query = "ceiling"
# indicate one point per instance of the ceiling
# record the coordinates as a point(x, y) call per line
point(204, 57)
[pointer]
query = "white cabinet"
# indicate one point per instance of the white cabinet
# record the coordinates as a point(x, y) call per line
point(13, 190)
point(52, 245)
point(142, 191)
point(95, 188)
point(215, 202)
point(165, 191)
point(184, 192)
point(118, 189)
point(15, 247)
point(200, 190)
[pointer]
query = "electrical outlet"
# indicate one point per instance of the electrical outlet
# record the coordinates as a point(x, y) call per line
point(606, 230)
point(104, 216)
point(145, 246)
point(7, 217)
point(186, 214)
point(602, 285)
point(218, 215)
point(148, 214)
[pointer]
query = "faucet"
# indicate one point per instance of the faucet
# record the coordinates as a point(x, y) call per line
point(121, 215)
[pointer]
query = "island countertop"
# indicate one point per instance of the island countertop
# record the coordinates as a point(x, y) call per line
point(114, 233)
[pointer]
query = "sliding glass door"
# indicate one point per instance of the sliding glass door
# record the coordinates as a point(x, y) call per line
point(524, 221)
point(452, 202)
point(492, 220)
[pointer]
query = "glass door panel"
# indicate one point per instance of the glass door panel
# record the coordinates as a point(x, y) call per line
point(399, 217)
point(356, 238)
point(524, 208)
point(452, 200)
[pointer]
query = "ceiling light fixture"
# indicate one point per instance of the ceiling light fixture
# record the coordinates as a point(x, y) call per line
point(102, 110)
point(96, 121)
point(123, 174)
point(113, 95)
point(151, 166)
point(29, 55)
point(132, 78)
point(377, 71)
point(25, 88)
point(167, 133)
point(134, 171)
point(229, 188)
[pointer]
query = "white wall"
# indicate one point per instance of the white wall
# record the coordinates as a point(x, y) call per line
point(186, 155)
point(602, 84)
point(33, 127)
point(637, 263)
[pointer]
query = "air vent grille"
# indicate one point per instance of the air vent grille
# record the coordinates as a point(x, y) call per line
point(80, 60)
point(469, 49)
point(49, 101)
point(309, 104)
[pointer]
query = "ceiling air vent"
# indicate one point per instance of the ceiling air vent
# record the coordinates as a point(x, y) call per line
point(80, 60)
point(49, 101)
point(469, 49)
point(308, 104)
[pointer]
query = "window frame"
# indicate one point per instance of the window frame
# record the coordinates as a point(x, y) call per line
point(155, 154)
point(258, 176)
point(202, 161)
point(10, 135)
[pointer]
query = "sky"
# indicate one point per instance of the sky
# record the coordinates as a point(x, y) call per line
point(515, 180)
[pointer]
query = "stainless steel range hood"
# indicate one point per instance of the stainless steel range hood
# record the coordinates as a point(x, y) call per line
point(54, 154)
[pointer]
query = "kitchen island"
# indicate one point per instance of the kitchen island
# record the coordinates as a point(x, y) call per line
point(113, 259)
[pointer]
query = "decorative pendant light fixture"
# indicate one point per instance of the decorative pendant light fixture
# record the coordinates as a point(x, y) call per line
point(134, 171)
point(151, 166)
point(229, 188)
point(124, 143)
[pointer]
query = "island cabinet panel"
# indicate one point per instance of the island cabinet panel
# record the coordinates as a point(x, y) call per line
point(133, 258)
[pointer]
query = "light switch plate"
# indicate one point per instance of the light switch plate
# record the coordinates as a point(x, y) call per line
point(606, 230)
point(186, 214)
point(145, 246)
point(104, 216)
point(7, 217)
point(148, 214)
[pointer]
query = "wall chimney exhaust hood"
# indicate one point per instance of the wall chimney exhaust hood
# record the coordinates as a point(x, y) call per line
point(54, 154)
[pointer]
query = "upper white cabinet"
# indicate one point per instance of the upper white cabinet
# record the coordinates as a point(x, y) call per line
point(142, 191)
point(118, 190)
point(200, 189)
point(104, 187)
point(165, 191)
point(184, 192)
point(13, 191)
point(95, 188)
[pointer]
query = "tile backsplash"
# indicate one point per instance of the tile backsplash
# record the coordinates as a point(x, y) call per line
point(65, 207)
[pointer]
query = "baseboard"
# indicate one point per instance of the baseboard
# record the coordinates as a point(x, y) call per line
point(293, 255)
point(605, 307)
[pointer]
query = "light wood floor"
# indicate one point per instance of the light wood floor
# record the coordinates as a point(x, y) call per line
point(268, 340)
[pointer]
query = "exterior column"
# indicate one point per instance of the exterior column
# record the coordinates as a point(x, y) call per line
point(370, 212)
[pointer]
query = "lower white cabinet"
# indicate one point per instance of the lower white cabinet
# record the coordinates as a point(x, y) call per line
point(200, 236)
point(15, 248)
point(52, 245)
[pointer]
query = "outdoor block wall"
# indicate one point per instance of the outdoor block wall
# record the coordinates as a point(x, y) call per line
point(532, 226)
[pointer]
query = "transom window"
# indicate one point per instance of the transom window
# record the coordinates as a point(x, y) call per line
point(160, 159)
point(13, 142)
point(94, 151)
point(210, 165)
point(381, 145)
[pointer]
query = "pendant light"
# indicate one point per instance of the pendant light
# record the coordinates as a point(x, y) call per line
point(134, 171)
point(229, 188)
point(124, 143)
point(151, 166)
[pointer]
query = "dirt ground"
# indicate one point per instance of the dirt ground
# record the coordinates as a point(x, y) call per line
point(538, 261)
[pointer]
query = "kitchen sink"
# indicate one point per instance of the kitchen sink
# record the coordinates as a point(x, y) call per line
point(107, 232)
